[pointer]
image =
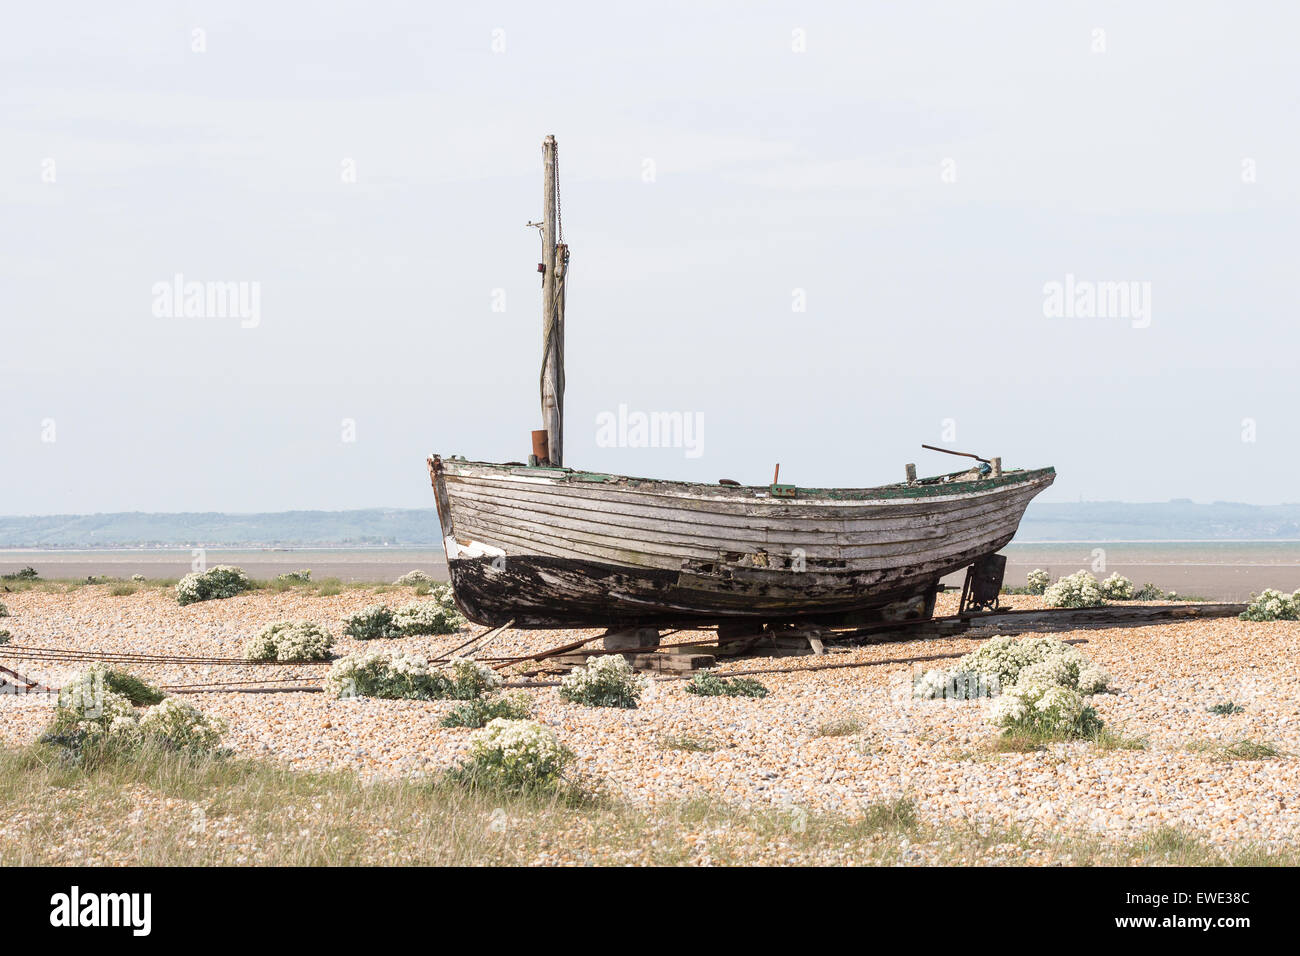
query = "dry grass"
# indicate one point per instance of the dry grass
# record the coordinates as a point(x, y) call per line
point(167, 809)
point(847, 727)
point(1236, 749)
point(687, 743)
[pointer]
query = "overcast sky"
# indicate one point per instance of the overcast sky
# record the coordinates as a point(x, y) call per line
point(915, 176)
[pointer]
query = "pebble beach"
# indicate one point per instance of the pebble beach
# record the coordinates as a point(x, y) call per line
point(826, 738)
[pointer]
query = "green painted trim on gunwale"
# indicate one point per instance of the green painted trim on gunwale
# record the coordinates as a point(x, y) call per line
point(924, 488)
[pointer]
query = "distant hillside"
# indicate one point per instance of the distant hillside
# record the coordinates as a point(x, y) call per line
point(418, 527)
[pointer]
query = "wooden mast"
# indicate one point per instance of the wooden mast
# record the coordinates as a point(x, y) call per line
point(552, 330)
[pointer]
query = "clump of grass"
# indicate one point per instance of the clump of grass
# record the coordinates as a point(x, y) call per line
point(1020, 742)
point(1172, 845)
point(1244, 749)
point(122, 590)
point(1107, 739)
point(843, 727)
point(309, 818)
point(1225, 709)
point(686, 742)
point(895, 816)
point(709, 684)
point(329, 587)
point(477, 712)
point(26, 574)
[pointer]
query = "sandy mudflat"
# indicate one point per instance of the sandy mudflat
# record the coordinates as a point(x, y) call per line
point(769, 750)
point(369, 564)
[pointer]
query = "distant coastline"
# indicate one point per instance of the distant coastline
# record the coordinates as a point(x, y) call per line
point(1170, 522)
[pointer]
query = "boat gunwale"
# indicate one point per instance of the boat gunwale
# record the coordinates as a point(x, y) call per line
point(936, 487)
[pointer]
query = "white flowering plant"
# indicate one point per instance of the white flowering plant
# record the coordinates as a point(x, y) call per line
point(1074, 590)
point(97, 709)
point(481, 710)
point(371, 623)
point(1036, 581)
point(394, 675)
point(181, 726)
point(290, 641)
point(1044, 711)
point(427, 617)
point(397, 675)
point(999, 660)
point(301, 576)
point(464, 679)
point(1271, 605)
point(1117, 588)
point(514, 755)
point(605, 681)
point(221, 581)
point(1038, 685)
point(708, 684)
point(953, 685)
point(414, 578)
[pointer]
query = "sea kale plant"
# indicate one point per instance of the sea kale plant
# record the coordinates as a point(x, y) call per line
point(1149, 592)
point(414, 578)
point(290, 641)
point(481, 710)
point(371, 623)
point(605, 681)
point(302, 576)
point(428, 617)
point(708, 684)
point(96, 711)
point(1040, 685)
point(515, 755)
point(4, 611)
point(1036, 581)
point(401, 676)
point(221, 581)
point(1117, 588)
point(1271, 605)
point(394, 675)
point(1074, 590)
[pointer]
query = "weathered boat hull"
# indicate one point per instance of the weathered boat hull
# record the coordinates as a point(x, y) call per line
point(550, 547)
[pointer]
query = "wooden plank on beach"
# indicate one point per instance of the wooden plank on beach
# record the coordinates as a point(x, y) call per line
point(1111, 615)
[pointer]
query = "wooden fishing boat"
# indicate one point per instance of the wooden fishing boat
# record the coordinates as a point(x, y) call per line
point(554, 547)
point(547, 546)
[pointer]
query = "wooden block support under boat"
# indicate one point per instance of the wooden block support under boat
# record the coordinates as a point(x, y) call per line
point(631, 639)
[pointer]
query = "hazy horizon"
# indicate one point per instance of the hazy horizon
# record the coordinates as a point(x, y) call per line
point(825, 233)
